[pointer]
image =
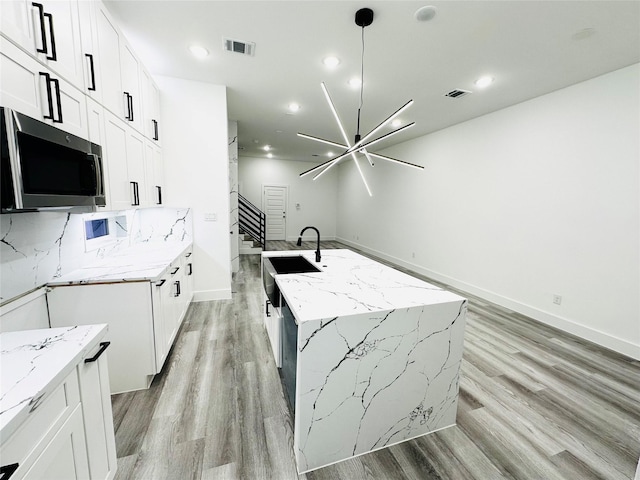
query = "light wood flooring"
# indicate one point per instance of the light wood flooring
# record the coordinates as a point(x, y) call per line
point(535, 403)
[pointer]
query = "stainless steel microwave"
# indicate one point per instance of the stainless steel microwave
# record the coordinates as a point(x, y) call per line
point(44, 167)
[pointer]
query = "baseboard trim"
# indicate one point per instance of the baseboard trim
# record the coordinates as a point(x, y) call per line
point(312, 238)
point(566, 325)
point(210, 295)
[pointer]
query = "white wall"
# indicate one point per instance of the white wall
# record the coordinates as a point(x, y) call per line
point(317, 199)
point(538, 199)
point(195, 153)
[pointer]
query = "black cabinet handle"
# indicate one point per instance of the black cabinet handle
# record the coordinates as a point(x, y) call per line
point(136, 194)
point(159, 190)
point(7, 470)
point(155, 130)
point(43, 33)
point(190, 265)
point(56, 82)
point(177, 284)
point(161, 283)
point(188, 254)
point(103, 347)
point(175, 271)
point(54, 55)
point(129, 115)
point(47, 79)
point(92, 71)
point(266, 308)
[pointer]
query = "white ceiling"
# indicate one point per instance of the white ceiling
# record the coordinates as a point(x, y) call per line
point(530, 48)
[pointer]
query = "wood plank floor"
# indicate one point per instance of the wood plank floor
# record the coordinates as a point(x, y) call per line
point(535, 403)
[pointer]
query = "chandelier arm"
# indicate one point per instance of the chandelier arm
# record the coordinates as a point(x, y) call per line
point(394, 160)
point(328, 167)
point(317, 167)
point(364, 180)
point(322, 140)
point(368, 155)
point(335, 113)
point(387, 120)
point(379, 139)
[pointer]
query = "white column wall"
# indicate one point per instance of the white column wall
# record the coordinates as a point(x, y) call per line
point(532, 201)
point(196, 161)
point(317, 199)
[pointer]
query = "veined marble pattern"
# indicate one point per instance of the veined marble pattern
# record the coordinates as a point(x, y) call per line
point(38, 247)
point(39, 360)
point(372, 380)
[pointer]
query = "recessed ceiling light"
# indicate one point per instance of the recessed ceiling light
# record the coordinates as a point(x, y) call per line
point(584, 33)
point(331, 62)
point(355, 82)
point(269, 155)
point(266, 148)
point(329, 154)
point(396, 123)
point(294, 107)
point(198, 51)
point(483, 82)
point(424, 14)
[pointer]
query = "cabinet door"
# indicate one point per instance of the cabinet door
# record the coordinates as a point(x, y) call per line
point(132, 101)
point(161, 295)
point(108, 52)
point(30, 88)
point(66, 455)
point(61, 27)
point(92, 66)
point(136, 167)
point(97, 135)
point(127, 309)
point(16, 23)
point(151, 107)
point(19, 80)
point(114, 152)
point(154, 171)
point(98, 416)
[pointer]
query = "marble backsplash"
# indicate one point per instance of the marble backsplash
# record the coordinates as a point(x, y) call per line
point(37, 247)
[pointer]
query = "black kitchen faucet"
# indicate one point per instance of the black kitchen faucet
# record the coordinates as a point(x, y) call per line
point(299, 242)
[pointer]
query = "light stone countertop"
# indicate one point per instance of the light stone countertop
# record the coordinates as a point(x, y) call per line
point(143, 262)
point(34, 363)
point(351, 284)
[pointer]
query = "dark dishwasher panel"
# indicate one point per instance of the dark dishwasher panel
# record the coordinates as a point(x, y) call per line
point(289, 354)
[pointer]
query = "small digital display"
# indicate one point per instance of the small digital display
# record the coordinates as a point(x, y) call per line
point(96, 228)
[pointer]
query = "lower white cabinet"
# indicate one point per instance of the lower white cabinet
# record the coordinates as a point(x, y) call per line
point(273, 325)
point(143, 317)
point(69, 433)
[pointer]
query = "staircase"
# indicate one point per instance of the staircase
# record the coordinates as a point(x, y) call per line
point(252, 224)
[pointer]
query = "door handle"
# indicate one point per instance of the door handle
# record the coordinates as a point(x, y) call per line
point(54, 55)
point(92, 72)
point(47, 79)
point(103, 347)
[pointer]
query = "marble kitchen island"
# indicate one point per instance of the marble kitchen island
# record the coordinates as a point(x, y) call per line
point(378, 356)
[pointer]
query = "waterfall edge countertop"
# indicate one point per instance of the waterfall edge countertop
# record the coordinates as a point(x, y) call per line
point(143, 262)
point(351, 284)
point(36, 361)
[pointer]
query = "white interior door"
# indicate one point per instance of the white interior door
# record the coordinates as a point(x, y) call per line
point(274, 204)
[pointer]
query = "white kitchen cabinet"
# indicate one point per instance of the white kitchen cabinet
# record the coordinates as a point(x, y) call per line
point(57, 32)
point(16, 23)
point(65, 431)
point(143, 317)
point(97, 135)
point(151, 107)
point(154, 173)
point(30, 88)
point(132, 100)
point(107, 36)
point(124, 154)
point(127, 308)
point(92, 65)
point(95, 398)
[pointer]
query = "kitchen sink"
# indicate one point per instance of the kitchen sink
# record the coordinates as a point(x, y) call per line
point(292, 264)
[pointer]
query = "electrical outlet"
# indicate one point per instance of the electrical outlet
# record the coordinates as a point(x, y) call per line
point(557, 299)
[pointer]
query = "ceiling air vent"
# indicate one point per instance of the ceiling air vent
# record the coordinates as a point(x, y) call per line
point(237, 46)
point(457, 93)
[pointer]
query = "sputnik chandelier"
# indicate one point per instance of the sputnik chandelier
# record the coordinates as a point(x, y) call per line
point(364, 18)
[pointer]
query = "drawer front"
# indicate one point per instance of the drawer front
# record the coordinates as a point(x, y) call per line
point(50, 412)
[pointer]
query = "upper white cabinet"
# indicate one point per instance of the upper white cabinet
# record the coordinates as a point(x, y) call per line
point(29, 87)
point(17, 23)
point(107, 51)
point(151, 107)
point(93, 84)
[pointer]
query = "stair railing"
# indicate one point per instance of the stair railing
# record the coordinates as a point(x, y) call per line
point(252, 221)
